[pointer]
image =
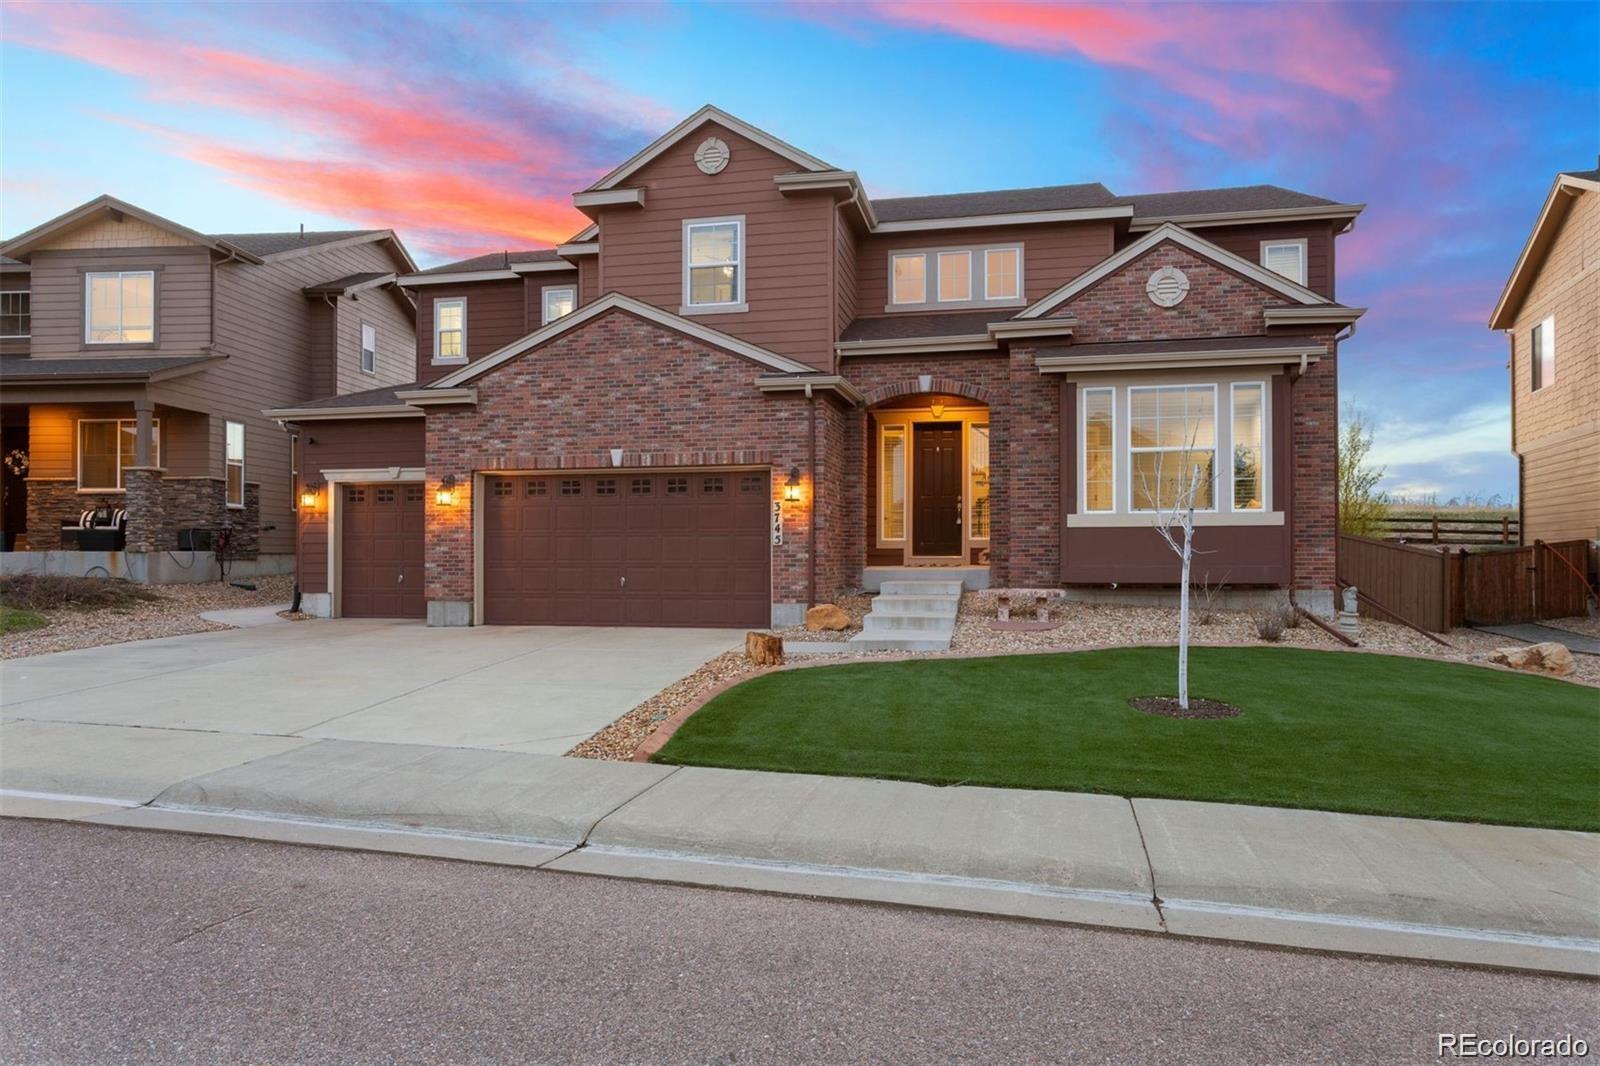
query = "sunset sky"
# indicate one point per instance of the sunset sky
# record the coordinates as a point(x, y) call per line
point(467, 127)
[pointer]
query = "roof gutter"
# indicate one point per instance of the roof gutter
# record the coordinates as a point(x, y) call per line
point(810, 383)
point(333, 414)
point(1141, 223)
point(1304, 355)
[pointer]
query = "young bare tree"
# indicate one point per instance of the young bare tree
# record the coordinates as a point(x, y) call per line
point(1361, 504)
point(1174, 522)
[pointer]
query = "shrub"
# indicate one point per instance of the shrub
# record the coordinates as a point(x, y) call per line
point(48, 592)
point(1361, 504)
point(1270, 624)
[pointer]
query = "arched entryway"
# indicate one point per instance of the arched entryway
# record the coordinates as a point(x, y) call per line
point(928, 459)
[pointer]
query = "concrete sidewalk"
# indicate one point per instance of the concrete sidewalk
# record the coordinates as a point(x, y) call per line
point(1525, 898)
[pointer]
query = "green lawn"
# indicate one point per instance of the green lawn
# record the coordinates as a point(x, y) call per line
point(1364, 733)
point(13, 620)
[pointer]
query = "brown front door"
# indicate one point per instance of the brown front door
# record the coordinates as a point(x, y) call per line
point(381, 551)
point(936, 489)
point(633, 548)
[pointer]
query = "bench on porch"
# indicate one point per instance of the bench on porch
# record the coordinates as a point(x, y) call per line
point(99, 529)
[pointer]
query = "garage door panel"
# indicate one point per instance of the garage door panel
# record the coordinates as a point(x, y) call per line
point(692, 547)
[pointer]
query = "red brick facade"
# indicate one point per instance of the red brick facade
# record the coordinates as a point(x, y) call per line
point(1219, 303)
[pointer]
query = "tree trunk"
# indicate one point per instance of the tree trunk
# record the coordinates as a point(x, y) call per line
point(763, 649)
point(1183, 624)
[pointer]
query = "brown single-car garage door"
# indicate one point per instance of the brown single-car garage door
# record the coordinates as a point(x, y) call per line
point(631, 548)
point(381, 549)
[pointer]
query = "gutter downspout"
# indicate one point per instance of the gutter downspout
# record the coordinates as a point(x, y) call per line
point(811, 509)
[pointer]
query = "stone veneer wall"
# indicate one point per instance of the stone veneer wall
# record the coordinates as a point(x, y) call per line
point(52, 501)
point(157, 509)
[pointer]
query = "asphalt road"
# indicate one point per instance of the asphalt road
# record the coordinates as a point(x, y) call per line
point(123, 946)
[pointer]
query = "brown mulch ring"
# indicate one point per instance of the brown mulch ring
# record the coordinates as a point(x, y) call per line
point(1168, 707)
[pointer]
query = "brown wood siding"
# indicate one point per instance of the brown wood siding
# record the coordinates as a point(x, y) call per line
point(183, 299)
point(497, 314)
point(846, 280)
point(397, 342)
point(788, 245)
point(1051, 255)
point(533, 293)
point(353, 445)
point(1566, 287)
point(1245, 242)
point(588, 279)
point(53, 440)
point(1561, 489)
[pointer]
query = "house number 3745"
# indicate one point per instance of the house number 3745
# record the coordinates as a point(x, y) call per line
point(777, 522)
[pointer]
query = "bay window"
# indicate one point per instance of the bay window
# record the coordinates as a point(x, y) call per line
point(713, 263)
point(119, 307)
point(107, 447)
point(1249, 444)
point(1172, 435)
point(1099, 444)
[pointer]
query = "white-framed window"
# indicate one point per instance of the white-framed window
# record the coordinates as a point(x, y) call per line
point(16, 313)
point(892, 483)
point(1287, 258)
point(955, 277)
point(1248, 404)
point(908, 279)
point(1542, 349)
point(107, 447)
point(450, 330)
point(713, 262)
point(233, 462)
point(369, 349)
point(294, 471)
point(1097, 465)
point(1172, 432)
point(119, 307)
point(1002, 274)
point(558, 300)
point(978, 481)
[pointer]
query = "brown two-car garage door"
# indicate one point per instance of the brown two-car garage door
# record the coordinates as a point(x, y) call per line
point(628, 548)
point(381, 552)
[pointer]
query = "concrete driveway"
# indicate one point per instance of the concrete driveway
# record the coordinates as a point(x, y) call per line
point(526, 689)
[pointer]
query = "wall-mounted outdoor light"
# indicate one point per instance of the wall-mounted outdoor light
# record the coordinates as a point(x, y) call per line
point(309, 493)
point(446, 494)
point(791, 488)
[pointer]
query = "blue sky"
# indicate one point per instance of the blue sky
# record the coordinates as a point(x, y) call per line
point(466, 128)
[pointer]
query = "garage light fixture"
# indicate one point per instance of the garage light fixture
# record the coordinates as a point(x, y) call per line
point(791, 488)
point(309, 493)
point(446, 494)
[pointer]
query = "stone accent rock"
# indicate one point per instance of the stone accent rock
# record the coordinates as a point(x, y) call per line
point(827, 616)
point(1547, 658)
point(52, 501)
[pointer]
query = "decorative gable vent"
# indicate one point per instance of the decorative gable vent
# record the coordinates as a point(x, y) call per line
point(712, 155)
point(1167, 287)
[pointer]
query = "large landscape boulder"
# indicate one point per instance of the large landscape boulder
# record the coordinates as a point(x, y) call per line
point(827, 616)
point(1546, 658)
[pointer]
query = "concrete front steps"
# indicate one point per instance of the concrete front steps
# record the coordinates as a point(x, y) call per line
point(910, 615)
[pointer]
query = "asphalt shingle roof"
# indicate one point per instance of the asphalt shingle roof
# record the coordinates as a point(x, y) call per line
point(265, 244)
point(370, 398)
point(496, 261)
point(909, 326)
point(1221, 201)
point(349, 281)
point(994, 202)
point(22, 366)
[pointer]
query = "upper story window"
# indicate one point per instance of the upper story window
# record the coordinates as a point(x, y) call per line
point(16, 319)
point(450, 330)
point(119, 307)
point(369, 349)
point(713, 264)
point(558, 300)
point(1542, 348)
point(1287, 258)
point(942, 278)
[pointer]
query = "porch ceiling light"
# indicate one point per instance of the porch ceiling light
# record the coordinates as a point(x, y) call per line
point(445, 496)
point(791, 488)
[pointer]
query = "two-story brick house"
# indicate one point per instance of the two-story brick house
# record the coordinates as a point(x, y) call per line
point(1550, 311)
point(747, 385)
point(137, 358)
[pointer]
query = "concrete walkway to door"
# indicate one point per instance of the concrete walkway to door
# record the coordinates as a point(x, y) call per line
point(524, 689)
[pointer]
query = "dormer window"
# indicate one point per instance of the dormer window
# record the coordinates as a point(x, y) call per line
point(946, 278)
point(713, 265)
point(119, 307)
point(1287, 258)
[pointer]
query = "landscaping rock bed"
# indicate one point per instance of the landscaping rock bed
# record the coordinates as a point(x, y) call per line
point(855, 605)
point(171, 611)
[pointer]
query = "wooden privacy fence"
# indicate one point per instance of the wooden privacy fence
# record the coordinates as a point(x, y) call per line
point(1438, 588)
point(1451, 529)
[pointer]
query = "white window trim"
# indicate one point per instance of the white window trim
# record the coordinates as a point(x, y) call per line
point(1083, 450)
point(938, 282)
point(88, 307)
point(894, 297)
point(1265, 474)
point(545, 318)
point(1216, 441)
point(227, 462)
point(450, 360)
point(735, 306)
point(987, 252)
point(77, 448)
point(29, 294)
point(368, 368)
point(1299, 243)
point(1547, 348)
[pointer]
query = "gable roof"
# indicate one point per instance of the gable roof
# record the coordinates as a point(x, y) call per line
point(495, 261)
point(615, 301)
point(1168, 231)
point(995, 202)
point(23, 244)
point(1568, 186)
point(708, 113)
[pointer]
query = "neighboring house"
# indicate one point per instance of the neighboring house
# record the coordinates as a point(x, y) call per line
point(1550, 310)
point(748, 386)
point(138, 355)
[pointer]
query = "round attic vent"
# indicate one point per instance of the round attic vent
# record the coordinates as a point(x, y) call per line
point(711, 156)
point(1167, 287)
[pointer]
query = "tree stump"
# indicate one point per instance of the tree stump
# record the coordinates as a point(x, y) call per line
point(763, 649)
